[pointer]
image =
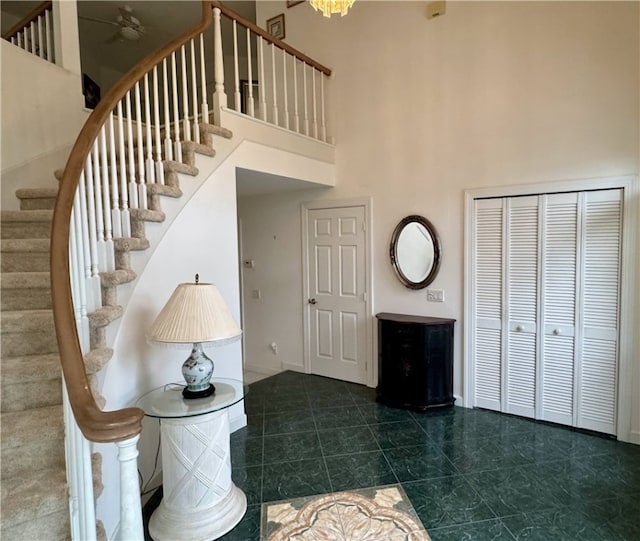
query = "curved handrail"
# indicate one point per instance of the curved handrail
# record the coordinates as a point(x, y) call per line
point(95, 424)
point(278, 43)
point(27, 19)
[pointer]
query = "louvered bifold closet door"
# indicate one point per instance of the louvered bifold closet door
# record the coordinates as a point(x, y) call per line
point(559, 258)
point(488, 303)
point(600, 284)
point(522, 302)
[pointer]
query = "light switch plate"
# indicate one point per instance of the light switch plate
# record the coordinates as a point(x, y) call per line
point(435, 295)
point(436, 9)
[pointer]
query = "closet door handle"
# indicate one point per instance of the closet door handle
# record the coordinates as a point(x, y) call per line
point(519, 328)
point(557, 332)
point(313, 301)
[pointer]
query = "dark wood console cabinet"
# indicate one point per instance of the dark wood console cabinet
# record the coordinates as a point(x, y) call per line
point(415, 361)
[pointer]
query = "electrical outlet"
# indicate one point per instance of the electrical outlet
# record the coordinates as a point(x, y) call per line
point(256, 294)
point(274, 348)
point(249, 263)
point(435, 295)
point(436, 9)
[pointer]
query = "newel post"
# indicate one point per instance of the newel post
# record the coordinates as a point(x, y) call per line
point(219, 96)
point(131, 528)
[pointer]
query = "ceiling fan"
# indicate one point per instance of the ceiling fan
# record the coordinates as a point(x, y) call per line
point(129, 27)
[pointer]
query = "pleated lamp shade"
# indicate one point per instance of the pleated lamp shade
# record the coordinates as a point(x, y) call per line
point(195, 313)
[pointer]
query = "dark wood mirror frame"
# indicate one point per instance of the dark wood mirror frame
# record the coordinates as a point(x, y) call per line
point(393, 252)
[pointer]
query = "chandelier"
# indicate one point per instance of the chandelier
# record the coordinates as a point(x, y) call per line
point(332, 6)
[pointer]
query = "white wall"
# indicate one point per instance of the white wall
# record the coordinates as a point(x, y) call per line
point(493, 93)
point(41, 117)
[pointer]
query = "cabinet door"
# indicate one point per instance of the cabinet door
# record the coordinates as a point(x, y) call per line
point(487, 343)
point(558, 307)
point(522, 302)
point(600, 281)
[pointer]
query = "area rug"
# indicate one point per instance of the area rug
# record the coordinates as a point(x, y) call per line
point(371, 514)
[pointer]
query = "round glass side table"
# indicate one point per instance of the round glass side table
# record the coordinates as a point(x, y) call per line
point(200, 501)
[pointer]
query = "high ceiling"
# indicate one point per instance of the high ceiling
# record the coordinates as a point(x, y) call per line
point(162, 19)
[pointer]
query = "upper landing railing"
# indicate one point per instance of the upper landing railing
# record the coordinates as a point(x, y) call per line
point(34, 33)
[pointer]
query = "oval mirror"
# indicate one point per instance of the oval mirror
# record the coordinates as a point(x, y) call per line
point(415, 252)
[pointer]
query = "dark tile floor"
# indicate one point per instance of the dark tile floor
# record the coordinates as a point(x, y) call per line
point(470, 474)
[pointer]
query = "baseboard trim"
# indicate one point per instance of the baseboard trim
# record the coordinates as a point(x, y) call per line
point(634, 437)
point(261, 369)
point(293, 367)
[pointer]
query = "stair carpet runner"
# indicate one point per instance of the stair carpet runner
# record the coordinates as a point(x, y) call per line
point(33, 484)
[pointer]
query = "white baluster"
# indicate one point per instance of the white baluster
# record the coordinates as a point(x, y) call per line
point(150, 169)
point(236, 79)
point(306, 106)
point(194, 93)
point(82, 321)
point(106, 206)
point(40, 26)
point(97, 194)
point(96, 293)
point(168, 148)
point(315, 118)
point(176, 114)
point(74, 270)
point(185, 96)
point(156, 124)
point(323, 127)
point(20, 41)
point(219, 96)
point(296, 117)
point(274, 97)
point(32, 32)
point(261, 83)
point(125, 217)
point(14, 40)
point(130, 506)
point(203, 83)
point(87, 244)
point(116, 221)
point(48, 32)
point(133, 189)
point(250, 106)
point(284, 85)
point(142, 183)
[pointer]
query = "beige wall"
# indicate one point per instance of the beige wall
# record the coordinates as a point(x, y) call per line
point(490, 94)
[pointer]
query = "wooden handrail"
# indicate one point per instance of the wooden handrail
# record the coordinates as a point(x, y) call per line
point(278, 43)
point(95, 424)
point(27, 19)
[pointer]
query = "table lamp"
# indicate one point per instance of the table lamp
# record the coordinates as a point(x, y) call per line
point(195, 314)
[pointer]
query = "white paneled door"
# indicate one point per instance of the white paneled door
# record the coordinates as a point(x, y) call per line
point(546, 298)
point(337, 314)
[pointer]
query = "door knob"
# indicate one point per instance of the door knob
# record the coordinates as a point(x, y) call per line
point(557, 331)
point(313, 301)
point(519, 328)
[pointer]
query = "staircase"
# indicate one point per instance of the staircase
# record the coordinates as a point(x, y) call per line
point(34, 489)
point(34, 502)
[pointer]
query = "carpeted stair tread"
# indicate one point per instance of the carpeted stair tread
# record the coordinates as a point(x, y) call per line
point(24, 245)
point(24, 427)
point(36, 193)
point(39, 494)
point(19, 321)
point(147, 215)
point(163, 189)
point(14, 368)
point(130, 244)
point(192, 146)
point(22, 216)
point(117, 277)
point(97, 359)
point(105, 315)
point(216, 130)
point(179, 167)
point(20, 280)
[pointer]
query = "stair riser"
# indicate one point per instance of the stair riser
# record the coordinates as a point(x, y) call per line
point(25, 262)
point(22, 460)
point(37, 394)
point(26, 299)
point(46, 203)
point(26, 230)
point(29, 343)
